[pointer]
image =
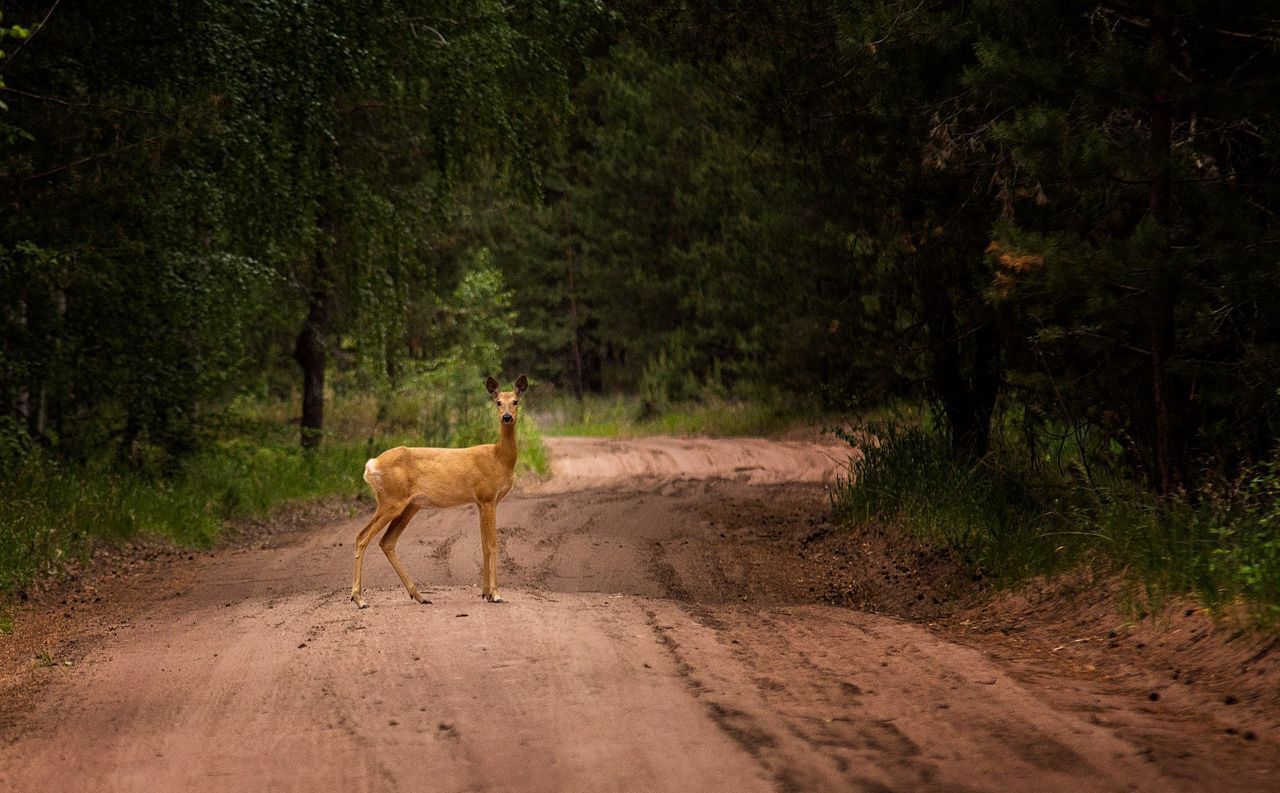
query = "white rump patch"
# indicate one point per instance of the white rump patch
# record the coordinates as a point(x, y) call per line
point(371, 473)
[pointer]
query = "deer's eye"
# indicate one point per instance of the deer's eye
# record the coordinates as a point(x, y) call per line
point(515, 402)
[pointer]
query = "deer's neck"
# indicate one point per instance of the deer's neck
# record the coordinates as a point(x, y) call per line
point(507, 445)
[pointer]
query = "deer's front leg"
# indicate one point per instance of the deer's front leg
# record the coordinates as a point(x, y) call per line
point(489, 542)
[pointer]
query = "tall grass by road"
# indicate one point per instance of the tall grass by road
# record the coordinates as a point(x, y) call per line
point(1013, 521)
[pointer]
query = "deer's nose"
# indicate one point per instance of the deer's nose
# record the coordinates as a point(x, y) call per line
point(507, 418)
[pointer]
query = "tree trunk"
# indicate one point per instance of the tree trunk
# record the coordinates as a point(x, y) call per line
point(391, 362)
point(575, 327)
point(968, 401)
point(971, 424)
point(1167, 446)
point(310, 352)
point(575, 340)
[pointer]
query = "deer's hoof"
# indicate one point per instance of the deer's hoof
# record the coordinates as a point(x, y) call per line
point(420, 598)
point(359, 601)
point(494, 598)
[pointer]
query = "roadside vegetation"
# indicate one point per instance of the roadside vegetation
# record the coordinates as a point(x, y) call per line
point(1012, 517)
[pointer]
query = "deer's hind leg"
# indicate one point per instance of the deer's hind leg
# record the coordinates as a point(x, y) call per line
point(384, 515)
point(388, 543)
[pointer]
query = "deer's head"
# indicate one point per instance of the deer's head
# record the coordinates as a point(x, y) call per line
point(508, 402)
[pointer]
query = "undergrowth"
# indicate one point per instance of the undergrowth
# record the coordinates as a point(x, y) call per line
point(1013, 522)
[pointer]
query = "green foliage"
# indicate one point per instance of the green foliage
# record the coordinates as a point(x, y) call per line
point(188, 196)
point(1070, 207)
point(9, 134)
point(1137, 258)
point(474, 328)
point(667, 378)
point(673, 234)
point(180, 199)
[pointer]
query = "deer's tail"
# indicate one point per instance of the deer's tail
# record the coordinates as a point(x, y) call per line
point(371, 473)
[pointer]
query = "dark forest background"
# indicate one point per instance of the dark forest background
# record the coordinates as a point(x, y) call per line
point(1044, 231)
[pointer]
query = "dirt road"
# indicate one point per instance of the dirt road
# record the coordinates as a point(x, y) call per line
point(658, 636)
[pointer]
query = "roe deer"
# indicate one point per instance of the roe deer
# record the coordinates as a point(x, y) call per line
point(404, 480)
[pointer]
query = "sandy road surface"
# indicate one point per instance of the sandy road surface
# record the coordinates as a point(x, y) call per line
point(646, 646)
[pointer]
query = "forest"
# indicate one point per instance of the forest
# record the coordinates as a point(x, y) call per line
point(1032, 249)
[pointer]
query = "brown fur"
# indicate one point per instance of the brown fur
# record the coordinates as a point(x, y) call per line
point(406, 479)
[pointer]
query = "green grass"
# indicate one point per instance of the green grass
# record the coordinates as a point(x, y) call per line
point(625, 416)
point(1013, 522)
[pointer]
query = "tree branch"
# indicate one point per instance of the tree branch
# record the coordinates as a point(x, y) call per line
point(28, 39)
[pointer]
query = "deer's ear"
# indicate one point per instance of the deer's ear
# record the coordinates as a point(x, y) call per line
point(522, 384)
point(491, 386)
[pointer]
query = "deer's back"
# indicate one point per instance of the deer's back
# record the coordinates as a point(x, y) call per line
point(439, 477)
